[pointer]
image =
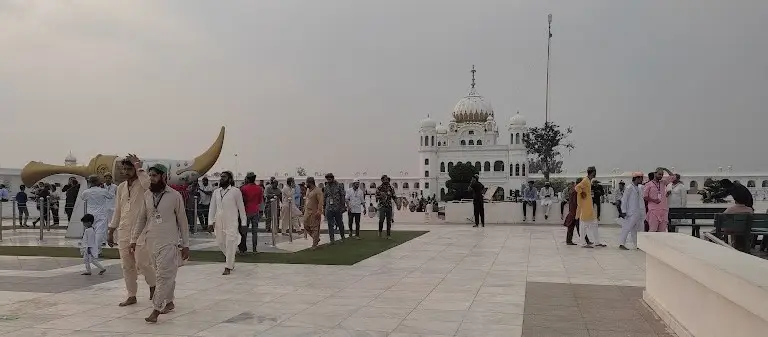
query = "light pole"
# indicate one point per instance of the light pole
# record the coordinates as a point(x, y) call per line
point(237, 166)
point(549, 43)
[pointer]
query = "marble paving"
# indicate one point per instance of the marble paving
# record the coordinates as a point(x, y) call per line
point(453, 281)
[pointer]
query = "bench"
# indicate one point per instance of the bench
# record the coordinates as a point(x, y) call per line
point(743, 227)
point(693, 214)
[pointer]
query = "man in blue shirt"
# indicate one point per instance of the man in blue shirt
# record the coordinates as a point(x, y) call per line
point(21, 202)
point(3, 193)
point(529, 198)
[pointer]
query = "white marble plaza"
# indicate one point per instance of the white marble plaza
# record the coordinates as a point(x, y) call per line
point(452, 281)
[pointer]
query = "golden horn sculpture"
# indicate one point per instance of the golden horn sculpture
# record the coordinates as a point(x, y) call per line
point(179, 171)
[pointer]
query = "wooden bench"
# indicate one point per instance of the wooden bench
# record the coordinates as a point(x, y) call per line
point(693, 214)
point(744, 228)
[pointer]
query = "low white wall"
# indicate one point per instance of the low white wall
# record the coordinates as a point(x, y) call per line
point(512, 212)
point(703, 289)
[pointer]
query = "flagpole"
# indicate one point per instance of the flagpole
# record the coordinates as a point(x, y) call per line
point(549, 43)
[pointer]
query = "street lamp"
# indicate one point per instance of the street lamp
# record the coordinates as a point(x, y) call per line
point(549, 43)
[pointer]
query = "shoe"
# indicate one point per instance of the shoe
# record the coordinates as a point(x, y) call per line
point(570, 243)
point(587, 246)
point(101, 272)
point(86, 273)
point(227, 271)
point(623, 248)
point(546, 217)
point(474, 226)
point(600, 245)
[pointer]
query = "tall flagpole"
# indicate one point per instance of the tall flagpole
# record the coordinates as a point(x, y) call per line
point(549, 43)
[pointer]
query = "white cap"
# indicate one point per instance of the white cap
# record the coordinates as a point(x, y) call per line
point(356, 180)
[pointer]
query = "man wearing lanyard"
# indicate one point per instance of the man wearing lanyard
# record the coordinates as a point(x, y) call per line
point(162, 215)
point(655, 193)
point(226, 211)
point(356, 205)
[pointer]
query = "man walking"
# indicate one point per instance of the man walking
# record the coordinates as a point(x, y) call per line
point(71, 190)
point(167, 235)
point(620, 194)
point(313, 210)
point(112, 189)
point(130, 196)
point(355, 206)
point(226, 210)
point(205, 191)
point(655, 192)
point(529, 198)
point(478, 204)
point(253, 196)
point(632, 214)
point(385, 195)
point(586, 213)
point(21, 204)
point(546, 194)
point(97, 200)
point(565, 199)
point(334, 206)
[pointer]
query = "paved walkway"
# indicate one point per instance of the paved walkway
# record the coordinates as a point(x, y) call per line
point(452, 281)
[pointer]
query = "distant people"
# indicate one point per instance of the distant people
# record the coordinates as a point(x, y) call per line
point(71, 190)
point(162, 216)
point(205, 191)
point(677, 195)
point(572, 219)
point(655, 192)
point(529, 199)
point(97, 201)
point(566, 198)
point(619, 194)
point(597, 197)
point(355, 198)
point(371, 211)
point(272, 193)
point(335, 201)
point(737, 191)
point(385, 195)
point(128, 207)
point(190, 201)
point(586, 213)
point(546, 194)
point(227, 209)
point(253, 199)
point(41, 194)
point(89, 246)
point(53, 203)
point(313, 210)
point(632, 213)
point(290, 213)
point(4, 195)
point(478, 204)
point(21, 204)
point(651, 176)
point(111, 188)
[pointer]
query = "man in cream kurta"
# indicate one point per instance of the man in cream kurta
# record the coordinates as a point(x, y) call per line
point(225, 214)
point(289, 211)
point(130, 194)
point(164, 218)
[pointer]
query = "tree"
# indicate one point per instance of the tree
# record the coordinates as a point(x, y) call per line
point(301, 172)
point(458, 185)
point(534, 166)
point(545, 143)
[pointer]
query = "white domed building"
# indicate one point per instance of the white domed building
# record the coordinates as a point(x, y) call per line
point(472, 136)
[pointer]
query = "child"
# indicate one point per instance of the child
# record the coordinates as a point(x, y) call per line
point(88, 246)
point(371, 211)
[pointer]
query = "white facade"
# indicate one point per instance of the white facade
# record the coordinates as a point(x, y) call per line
point(473, 137)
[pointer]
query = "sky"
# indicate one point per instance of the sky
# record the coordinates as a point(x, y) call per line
point(341, 85)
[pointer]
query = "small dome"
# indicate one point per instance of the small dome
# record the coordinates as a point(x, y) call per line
point(442, 129)
point(517, 119)
point(428, 123)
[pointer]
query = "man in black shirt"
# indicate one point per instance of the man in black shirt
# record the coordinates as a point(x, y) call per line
point(477, 201)
point(71, 190)
point(739, 192)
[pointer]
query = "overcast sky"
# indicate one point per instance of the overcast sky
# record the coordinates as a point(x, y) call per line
point(341, 85)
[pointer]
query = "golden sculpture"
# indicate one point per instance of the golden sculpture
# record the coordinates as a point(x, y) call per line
point(179, 171)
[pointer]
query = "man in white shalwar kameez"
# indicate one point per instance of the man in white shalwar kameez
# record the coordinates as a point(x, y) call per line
point(546, 194)
point(632, 214)
point(163, 221)
point(111, 188)
point(289, 211)
point(226, 212)
point(97, 201)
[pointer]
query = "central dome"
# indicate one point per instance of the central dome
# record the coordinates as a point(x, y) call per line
point(473, 108)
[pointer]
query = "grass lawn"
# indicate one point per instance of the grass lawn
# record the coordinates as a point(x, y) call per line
point(347, 253)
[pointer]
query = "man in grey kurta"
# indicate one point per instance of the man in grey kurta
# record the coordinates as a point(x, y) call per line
point(167, 236)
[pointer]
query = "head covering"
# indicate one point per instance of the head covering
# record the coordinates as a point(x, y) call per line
point(622, 182)
point(356, 180)
point(329, 176)
point(159, 168)
point(250, 175)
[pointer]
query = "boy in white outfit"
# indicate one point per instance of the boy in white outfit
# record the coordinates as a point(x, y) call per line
point(632, 214)
point(89, 246)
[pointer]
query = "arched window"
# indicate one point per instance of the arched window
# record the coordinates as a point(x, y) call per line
point(471, 142)
point(426, 184)
point(426, 161)
point(477, 166)
point(394, 185)
point(511, 138)
point(517, 138)
point(694, 184)
point(737, 182)
point(442, 194)
point(517, 169)
point(421, 141)
point(426, 174)
point(511, 169)
point(416, 185)
point(442, 167)
point(522, 169)
point(439, 144)
point(498, 166)
point(765, 183)
point(469, 163)
point(372, 185)
point(450, 166)
point(487, 166)
point(750, 183)
point(405, 185)
point(463, 142)
point(432, 140)
point(479, 142)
